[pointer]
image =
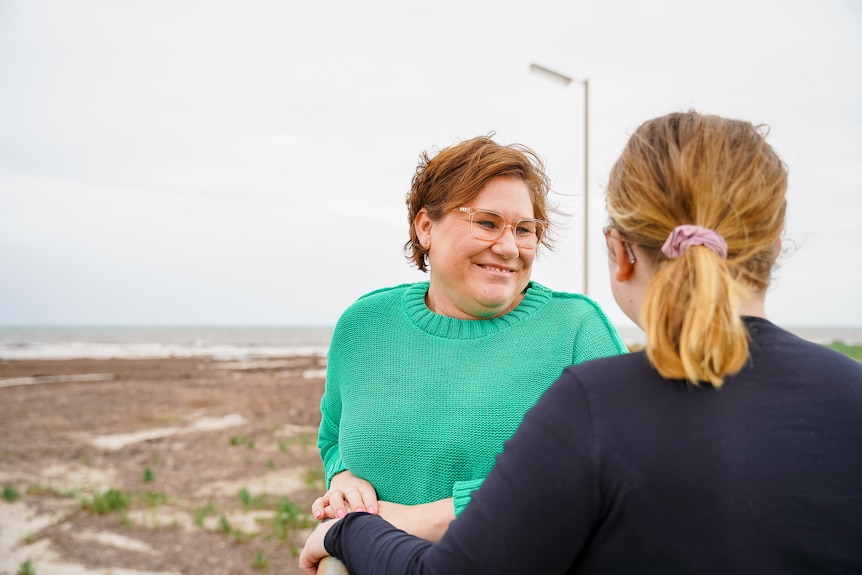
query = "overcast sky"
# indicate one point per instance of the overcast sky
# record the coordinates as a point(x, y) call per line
point(185, 162)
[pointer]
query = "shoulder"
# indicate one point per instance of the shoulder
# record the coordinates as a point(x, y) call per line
point(584, 320)
point(372, 305)
point(605, 386)
point(787, 352)
point(387, 292)
point(613, 371)
point(383, 296)
point(569, 302)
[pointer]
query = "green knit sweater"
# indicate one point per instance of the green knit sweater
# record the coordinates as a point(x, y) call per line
point(419, 404)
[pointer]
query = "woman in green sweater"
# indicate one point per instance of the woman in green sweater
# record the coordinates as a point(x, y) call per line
point(426, 381)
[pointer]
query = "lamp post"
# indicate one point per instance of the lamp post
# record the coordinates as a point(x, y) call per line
point(566, 80)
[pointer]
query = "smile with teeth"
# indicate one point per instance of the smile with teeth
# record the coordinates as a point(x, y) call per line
point(496, 269)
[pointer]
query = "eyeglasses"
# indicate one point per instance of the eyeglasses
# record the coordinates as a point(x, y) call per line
point(489, 226)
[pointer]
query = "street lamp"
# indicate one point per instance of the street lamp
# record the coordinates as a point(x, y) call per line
point(566, 80)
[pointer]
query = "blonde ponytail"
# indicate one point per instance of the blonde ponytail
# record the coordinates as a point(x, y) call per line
point(693, 327)
point(703, 197)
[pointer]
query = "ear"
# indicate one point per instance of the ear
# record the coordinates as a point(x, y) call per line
point(623, 267)
point(423, 224)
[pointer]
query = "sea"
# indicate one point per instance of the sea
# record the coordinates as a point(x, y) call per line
point(233, 343)
point(230, 343)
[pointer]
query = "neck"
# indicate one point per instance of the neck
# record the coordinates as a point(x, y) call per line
point(753, 306)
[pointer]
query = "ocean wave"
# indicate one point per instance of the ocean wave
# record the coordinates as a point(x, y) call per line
point(227, 343)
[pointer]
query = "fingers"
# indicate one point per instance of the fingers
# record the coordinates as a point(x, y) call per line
point(366, 496)
point(319, 508)
point(332, 505)
point(359, 497)
point(336, 503)
point(346, 493)
point(308, 562)
point(358, 493)
point(306, 566)
point(314, 550)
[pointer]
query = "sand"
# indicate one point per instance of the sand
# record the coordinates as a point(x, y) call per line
point(177, 437)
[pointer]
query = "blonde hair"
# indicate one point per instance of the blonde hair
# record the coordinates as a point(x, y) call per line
point(688, 168)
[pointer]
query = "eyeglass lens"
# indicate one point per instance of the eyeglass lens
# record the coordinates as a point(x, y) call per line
point(490, 226)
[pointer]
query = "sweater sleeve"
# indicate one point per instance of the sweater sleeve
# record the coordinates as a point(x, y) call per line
point(327, 442)
point(330, 414)
point(327, 437)
point(461, 492)
point(533, 514)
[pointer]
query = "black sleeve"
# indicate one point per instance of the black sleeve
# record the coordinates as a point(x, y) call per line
point(534, 512)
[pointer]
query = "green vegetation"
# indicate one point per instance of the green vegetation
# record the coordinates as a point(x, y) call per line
point(277, 519)
point(307, 439)
point(239, 440)
point(202, 513)
point(114, 500)
point(303, 439)
point(854, 351)
point(108, 502)
point(256, 502)
point(153, 499)
point(224, 525)
point(10, 494)
point(226, 528)
point(260, 561)
point(286, 519)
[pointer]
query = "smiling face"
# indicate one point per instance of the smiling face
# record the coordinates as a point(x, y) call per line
point(473, 278)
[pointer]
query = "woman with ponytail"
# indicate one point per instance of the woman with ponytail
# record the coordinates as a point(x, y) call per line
point(701, 199)
point(728, 445)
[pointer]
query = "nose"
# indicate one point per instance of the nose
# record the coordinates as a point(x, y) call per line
point(505, 245)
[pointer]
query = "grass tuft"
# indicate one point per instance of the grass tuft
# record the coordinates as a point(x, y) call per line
point(260, 561)
point(239, 440)
point(10, 494)
point(108, 502)
point(202, 513)
point(251, 502)
point(286, 518)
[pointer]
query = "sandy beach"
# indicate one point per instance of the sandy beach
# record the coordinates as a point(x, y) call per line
point(136, 466)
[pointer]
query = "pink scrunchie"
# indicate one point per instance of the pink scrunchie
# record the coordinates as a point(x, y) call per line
point(685, 236)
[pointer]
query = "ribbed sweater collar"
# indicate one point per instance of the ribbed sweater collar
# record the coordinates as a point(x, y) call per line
point(536, 297)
